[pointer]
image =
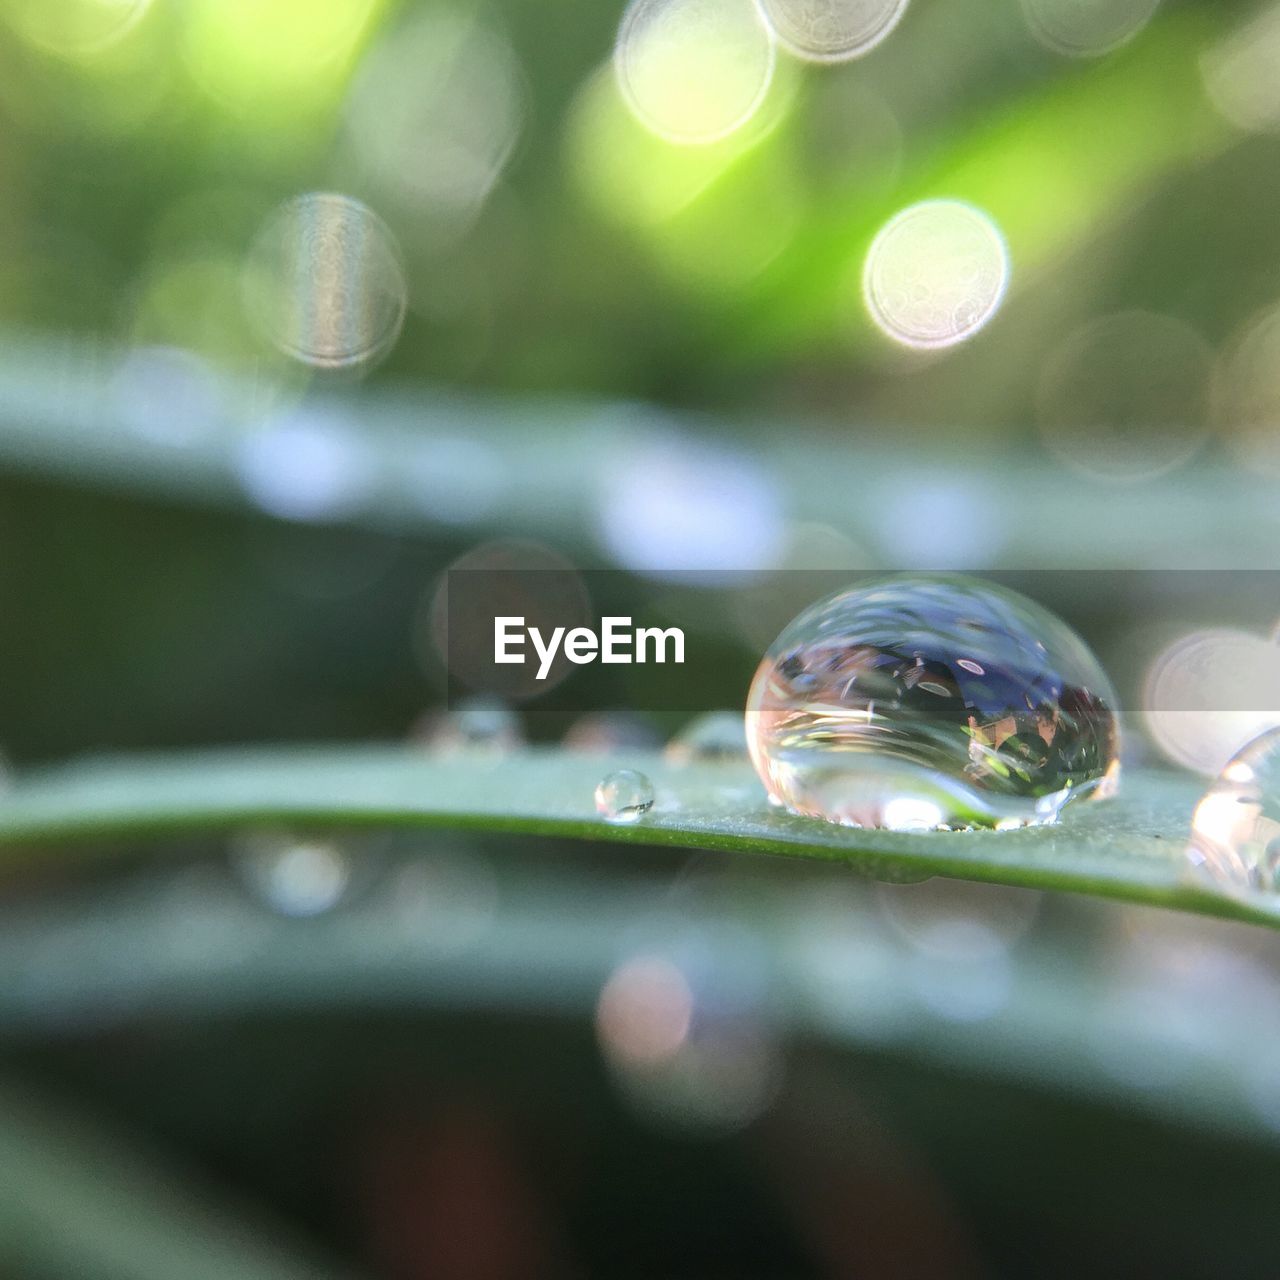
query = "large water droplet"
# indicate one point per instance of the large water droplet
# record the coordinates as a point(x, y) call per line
point(624, 796)
point(832, 30)
point(1235, 832)
point(930, 702)
point(713, 738)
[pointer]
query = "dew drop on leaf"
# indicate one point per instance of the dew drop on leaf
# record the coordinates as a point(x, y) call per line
point(624, 796)
point(932, 702)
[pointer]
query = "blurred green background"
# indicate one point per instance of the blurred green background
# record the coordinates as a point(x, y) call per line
point(242, 438)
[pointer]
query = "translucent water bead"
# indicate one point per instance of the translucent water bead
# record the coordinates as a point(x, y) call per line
point(624, 796)
point(1235, 832)
point(930, 702)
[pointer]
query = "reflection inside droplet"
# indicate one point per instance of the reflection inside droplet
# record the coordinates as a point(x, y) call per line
point(935, 274)
point(832, 30)
point(868, 709)
point(693, 71)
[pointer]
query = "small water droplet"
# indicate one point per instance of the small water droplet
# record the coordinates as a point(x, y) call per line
point(847, 718)
point(713, 738)
point(1235, 831)
point(624, 796)
point(293, 874)
point(477, 726)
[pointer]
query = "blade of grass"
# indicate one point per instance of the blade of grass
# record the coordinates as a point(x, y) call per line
point(78, 1200)
point(1130, 848)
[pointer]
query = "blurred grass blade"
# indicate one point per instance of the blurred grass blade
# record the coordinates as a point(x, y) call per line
point(1130, 848)
point(78, 1201)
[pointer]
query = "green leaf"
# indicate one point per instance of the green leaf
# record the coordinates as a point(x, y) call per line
point(1129, 848)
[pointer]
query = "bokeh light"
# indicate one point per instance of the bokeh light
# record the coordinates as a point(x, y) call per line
point(1240, 73)
point(168, 396)
point(75, 28)
point(693, 71)
point(305, 465)
point(523, 579)
point(436, 110)
point(1209, 693)
point(293, 875)
point(935, 274)
point(285, 56)
point(832, 30)
point(1246, 393)
point(1125, 398)
point(1087, 28)
point(325, 284)
point(666, 504)
point(645, 1012)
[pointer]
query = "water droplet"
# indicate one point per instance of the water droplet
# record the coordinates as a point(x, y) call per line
point(935, 274)
point(1235, 831)
point(862, 712)
point(694, 71)
point(832, 30)
point(713, 738)
point(325, 284)
point(482, 726)
point(295, 875)
point(624, 796)
point(1087, 29)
